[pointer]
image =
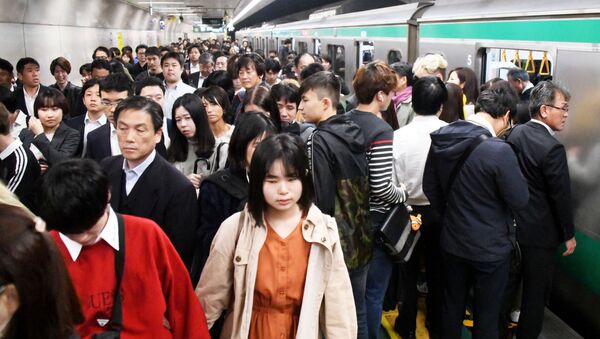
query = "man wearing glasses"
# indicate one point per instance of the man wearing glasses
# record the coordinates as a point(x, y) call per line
point(548, 219)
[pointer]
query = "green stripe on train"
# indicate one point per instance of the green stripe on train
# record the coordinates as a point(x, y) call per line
point(397, 31)
point(542, 30)
point(583, 263)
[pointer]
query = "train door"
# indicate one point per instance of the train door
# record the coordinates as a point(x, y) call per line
point(302, 47)
point(337, 53)
point(365, 50)
point(495, 63)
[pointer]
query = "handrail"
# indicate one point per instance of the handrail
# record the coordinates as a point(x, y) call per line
point(529, 62)
point(517, 59)
point(545, 64)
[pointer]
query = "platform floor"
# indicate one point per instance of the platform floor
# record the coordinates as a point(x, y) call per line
point(554, 327)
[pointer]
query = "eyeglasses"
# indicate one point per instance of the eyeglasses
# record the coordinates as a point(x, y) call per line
point(110, 103)
point(564, 108)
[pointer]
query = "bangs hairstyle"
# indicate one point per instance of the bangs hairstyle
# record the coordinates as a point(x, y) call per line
point(371, 78)
point(468, 77)
point(249, 126)
point(50, 98)
point(216, 95)
point(252, 59)
point(178, 150)
point(74, 195)
point(140, 103)
point(290, 150)
point(324, 84)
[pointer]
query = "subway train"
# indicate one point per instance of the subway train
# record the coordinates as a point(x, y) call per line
point(553, 39)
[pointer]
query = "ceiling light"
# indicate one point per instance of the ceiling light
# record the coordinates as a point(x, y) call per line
point(243, 12)
point(161, 2)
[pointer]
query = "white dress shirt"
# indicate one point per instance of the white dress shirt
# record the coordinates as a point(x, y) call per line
point(411, 145)
point(30, 99)
point(110, 234)
point(114, 141)
point(19, 124)
point(90, 125)
point(194, 69)
point(173, 93)
point(132, 175)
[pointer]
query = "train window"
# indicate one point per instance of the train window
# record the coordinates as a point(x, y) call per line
point(302, 47)
point(497, 62)
point(317, 44)
point(365, 53)
point(338, 59)
point(394, 55)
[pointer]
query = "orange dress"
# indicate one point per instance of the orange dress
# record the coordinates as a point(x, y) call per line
point(279, 288)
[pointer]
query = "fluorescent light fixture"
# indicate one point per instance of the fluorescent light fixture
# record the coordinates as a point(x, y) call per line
point(161, 2)
point(183, 14)
point(243, 12)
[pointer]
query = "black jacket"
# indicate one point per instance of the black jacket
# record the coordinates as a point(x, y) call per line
point(63, 146)
point(98, 144)
point(75, 99)
point(20, 172)
point(222, 194)
point(20, 97)
point(548, 219)
point(476, 214)
point(340, 175)
point(162, 194)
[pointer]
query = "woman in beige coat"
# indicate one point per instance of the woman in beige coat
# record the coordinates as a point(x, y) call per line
point(236, 273)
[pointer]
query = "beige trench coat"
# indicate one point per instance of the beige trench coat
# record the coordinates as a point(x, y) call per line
point(228, 279)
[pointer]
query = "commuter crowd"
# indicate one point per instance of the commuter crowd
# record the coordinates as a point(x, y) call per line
point(206, 189)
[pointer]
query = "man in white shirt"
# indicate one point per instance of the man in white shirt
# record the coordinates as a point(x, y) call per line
point(93, 119)
point(172, 65)
point(28, 71)
point(411, 146)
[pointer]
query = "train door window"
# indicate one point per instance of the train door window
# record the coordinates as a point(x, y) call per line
point(302, 47)
point(338, 59)
point(394, 55)
point(365, 53)
point(497, 61)
point(317, 44)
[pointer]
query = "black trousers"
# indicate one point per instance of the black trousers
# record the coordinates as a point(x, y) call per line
point(428, 248)
point(489, 282)
point(537, 265)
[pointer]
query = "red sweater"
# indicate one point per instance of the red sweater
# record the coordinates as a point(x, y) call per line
point(155, 285)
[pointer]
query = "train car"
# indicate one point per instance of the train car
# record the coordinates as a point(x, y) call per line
point(552, 40)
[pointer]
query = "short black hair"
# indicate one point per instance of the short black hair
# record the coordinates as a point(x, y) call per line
point(85, 67)
point(311, 69)
point(299, 56)
point(192, 46)
point(496, 101)
point(24, 62)
point(249, 126)
point(272, 65)
point(116, 52)
point(73, 195)
point(404, 69)
point(90, 83)
point(149, 82)
point(165, 49)
point(285, 91)
point(290, 150)
point(49, 98)
point(153, 51)
point(127, 49)
point(217, 96)
point(428, 95)
point(9, 99)
point(103, 49)
point(6, 65)
point(116, 82)
point(140, 46)
point(141, 104)
point(325, 84)
point(172, 55)
point(101, 64)
point(252, 59)
point(206, 58)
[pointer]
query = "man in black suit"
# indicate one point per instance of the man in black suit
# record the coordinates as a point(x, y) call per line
point(144, 184)
point(548, 219)
point(207, 64)
point(28, 71)
point(93, 118)
point(102, 142)
point(519, 80)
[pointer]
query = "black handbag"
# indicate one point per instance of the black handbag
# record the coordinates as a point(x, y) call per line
point(399, 233)
point(116, 320)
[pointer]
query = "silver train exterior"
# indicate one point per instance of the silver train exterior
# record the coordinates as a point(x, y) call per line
point(551, 39)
